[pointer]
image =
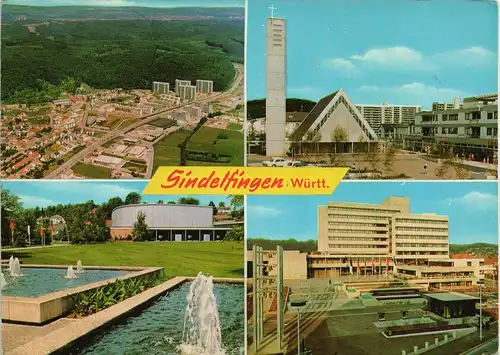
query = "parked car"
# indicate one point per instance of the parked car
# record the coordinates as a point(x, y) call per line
point(297, 164)
point(276, 162)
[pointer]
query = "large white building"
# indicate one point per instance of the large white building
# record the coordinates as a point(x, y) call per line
point(187, 92)
point(377, 115)
point(179, 82)
point(205, 86)
point(161, 87)
point(470, 129)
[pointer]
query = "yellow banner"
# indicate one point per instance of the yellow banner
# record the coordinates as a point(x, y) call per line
point(244, 181)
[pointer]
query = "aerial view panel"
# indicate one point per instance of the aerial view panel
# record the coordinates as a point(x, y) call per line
point(116, 91)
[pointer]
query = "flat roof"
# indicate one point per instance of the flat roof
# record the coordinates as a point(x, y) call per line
point(450, 296)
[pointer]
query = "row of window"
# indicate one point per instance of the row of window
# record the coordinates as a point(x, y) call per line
point(351, 231)
point(421, 253)
point(359, 239)
point(449, 130)
point(421, 245)
point(356, 209)
point(356, 246)
point(435, 237)
point(421, 229)
point(355, 217)
point(355, 224)
point(421, 221)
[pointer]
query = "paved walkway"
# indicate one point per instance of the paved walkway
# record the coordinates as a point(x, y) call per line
point(35, 247)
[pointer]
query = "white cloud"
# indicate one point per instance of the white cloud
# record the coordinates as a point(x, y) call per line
point(476, 200)
point(413, 93)
point(345, 66)
point(405, 58)
point(36, 201)
point(263, 211)
point(391, 58)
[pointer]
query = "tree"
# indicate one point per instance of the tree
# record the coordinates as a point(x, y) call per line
point(214, 208)
point(171, 203)
point(389, 158)
point(222, 204)
point(133, 198)
point(236, 234)
point(442, 170)
point(11, 208)
point(339, 134)
point(237, 202)
point(188, 201)
point(140, 231)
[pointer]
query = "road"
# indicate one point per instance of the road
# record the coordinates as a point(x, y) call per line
point(144, 120)
point(489, 348)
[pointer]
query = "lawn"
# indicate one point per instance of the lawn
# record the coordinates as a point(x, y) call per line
point(92, 171)
point(221, 259)
point(163, 122)
point(203, 141)
point(167, 151)
point(235, 126)
point(111, 142)
point(138, 168)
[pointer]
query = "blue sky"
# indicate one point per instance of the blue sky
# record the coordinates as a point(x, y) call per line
point(45, 193)
point(145, 3)
point(399, 51)
point(472, 208)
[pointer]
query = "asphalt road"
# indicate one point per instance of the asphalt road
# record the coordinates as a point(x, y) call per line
point(145, 120)
point(490, 348)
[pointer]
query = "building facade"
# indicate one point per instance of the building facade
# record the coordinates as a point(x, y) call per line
point(179, 82)
point(471, 131)
point(187, 92)
point(275, 86)
point(168, 222)
point(161, 87)
point(378, 115)
point(205, 86)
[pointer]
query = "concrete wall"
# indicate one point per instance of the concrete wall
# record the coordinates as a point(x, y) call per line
point(164, 216)
point(275, 86)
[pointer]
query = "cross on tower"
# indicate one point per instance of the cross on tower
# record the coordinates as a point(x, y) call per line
point(272, 8)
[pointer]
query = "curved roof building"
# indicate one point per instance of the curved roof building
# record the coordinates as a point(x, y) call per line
point(168, 222)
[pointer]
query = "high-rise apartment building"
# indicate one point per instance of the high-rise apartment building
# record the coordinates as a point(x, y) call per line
point(205, 86)
point(179, 82)
point(378, 115)
point(187, 92)
point(442, 106)
point(161, 87)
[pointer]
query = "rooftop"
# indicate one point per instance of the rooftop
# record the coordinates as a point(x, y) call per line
point(449, 296)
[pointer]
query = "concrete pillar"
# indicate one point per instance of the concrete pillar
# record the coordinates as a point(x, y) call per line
point(436, 341)
point(403, 352)
point(427, 345)
point(446, 338)
point(415, 349)
point(454, 335)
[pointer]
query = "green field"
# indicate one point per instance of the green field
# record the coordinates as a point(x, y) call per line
point(111, 142)
point(220, 259)
point(138, 168)
point(235, 126)
point(167, 151)
point(92, 171)
point(203, 141)
point(163, 122)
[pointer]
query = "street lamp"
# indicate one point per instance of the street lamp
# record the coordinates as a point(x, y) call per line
point(29, 235)
point(298, 305)
point(480, 283)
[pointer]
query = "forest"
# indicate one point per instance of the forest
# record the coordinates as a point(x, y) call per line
point(115, 54)
point(257, 108)
point(84, 222)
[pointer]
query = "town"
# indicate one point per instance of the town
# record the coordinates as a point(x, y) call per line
point(124, 134)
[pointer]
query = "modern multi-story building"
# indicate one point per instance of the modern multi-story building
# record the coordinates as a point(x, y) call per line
point(187, 92)
point(179, 82)
point(205, 86)
point(161, 87)
point(385, 114)
point(470, 130)
point(386, 238)
point(442, 106)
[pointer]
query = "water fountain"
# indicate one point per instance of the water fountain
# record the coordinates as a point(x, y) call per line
point(79, 267)
point(70, 274)
point(14, 267)
point(202, 330)
point(3, 283)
